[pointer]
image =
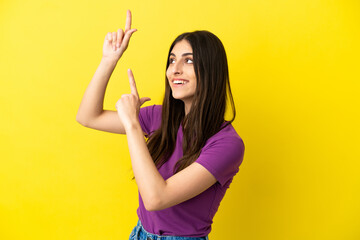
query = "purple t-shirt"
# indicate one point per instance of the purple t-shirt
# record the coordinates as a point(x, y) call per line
point(221, 156)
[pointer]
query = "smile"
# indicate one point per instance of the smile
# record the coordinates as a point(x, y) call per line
point(179, 81)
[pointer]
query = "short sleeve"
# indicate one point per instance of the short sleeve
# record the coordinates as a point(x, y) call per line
point(150, 118)
point(222, 158)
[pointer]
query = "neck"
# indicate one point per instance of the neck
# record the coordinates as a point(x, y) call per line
point(187, 107)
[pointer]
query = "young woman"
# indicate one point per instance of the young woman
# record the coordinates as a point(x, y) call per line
point(192, 154)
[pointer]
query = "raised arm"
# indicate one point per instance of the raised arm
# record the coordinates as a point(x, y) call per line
point(91, 113)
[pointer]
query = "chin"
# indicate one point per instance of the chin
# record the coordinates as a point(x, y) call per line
point(177, 97)
point(182, 96)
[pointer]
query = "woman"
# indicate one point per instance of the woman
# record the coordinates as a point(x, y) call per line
point(192, 153)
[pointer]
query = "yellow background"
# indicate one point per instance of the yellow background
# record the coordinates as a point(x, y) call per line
point(294, 70)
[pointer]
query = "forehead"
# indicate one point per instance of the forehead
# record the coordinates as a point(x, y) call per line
point(181, 47)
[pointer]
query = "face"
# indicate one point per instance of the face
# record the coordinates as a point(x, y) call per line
point(181, 74)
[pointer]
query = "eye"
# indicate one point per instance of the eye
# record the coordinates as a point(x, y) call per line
point(189, 60)
point(171, 60)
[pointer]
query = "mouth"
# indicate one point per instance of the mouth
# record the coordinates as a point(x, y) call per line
point(178, 81)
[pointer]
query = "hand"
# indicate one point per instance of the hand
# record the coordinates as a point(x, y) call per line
point(117, 42)
point(128, 106)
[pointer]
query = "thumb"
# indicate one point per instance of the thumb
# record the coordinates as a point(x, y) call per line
point(143, 100)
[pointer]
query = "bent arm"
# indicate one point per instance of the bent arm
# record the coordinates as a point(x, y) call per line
point(158, 194)
point(91, 113)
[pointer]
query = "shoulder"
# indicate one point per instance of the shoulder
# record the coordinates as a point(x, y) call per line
point(223, 154)
point(152, 114)
point(228, 137)
point(152, 109)
point(150, 118)
point(226, 145)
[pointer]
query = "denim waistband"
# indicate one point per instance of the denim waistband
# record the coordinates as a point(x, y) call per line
point(139, 233)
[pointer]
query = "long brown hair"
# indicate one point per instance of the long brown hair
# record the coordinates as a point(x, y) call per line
point(206, 115)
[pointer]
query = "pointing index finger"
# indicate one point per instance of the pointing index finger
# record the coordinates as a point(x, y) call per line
point(132, 83)
point(128, 21)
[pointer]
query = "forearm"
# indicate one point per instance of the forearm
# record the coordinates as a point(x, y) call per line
point(92, 102)
point(148, 179)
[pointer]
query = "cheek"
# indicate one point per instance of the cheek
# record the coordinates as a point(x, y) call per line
point(167, 73)
point(194, 80)
point(194, 89)
point(192, 73)
point(168, 79)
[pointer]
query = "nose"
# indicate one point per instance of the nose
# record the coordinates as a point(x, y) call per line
point(176, 68)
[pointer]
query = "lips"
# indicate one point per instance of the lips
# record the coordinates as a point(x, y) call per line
point(179, 81)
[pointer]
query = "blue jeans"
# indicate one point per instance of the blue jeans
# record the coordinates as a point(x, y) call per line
point(139, 233)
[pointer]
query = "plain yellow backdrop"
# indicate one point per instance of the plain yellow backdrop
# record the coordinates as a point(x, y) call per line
point(294, 71)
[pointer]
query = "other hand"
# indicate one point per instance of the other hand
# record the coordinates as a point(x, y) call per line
point(128, 106)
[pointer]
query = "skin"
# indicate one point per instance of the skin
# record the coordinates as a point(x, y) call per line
point(181, 68)
point(156, 192)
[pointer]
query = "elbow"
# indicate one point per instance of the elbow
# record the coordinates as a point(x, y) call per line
point(153, 204)
point(78, 119)
point(81, 121)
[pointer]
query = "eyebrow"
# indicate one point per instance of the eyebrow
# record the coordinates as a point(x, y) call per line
point(184, 54)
